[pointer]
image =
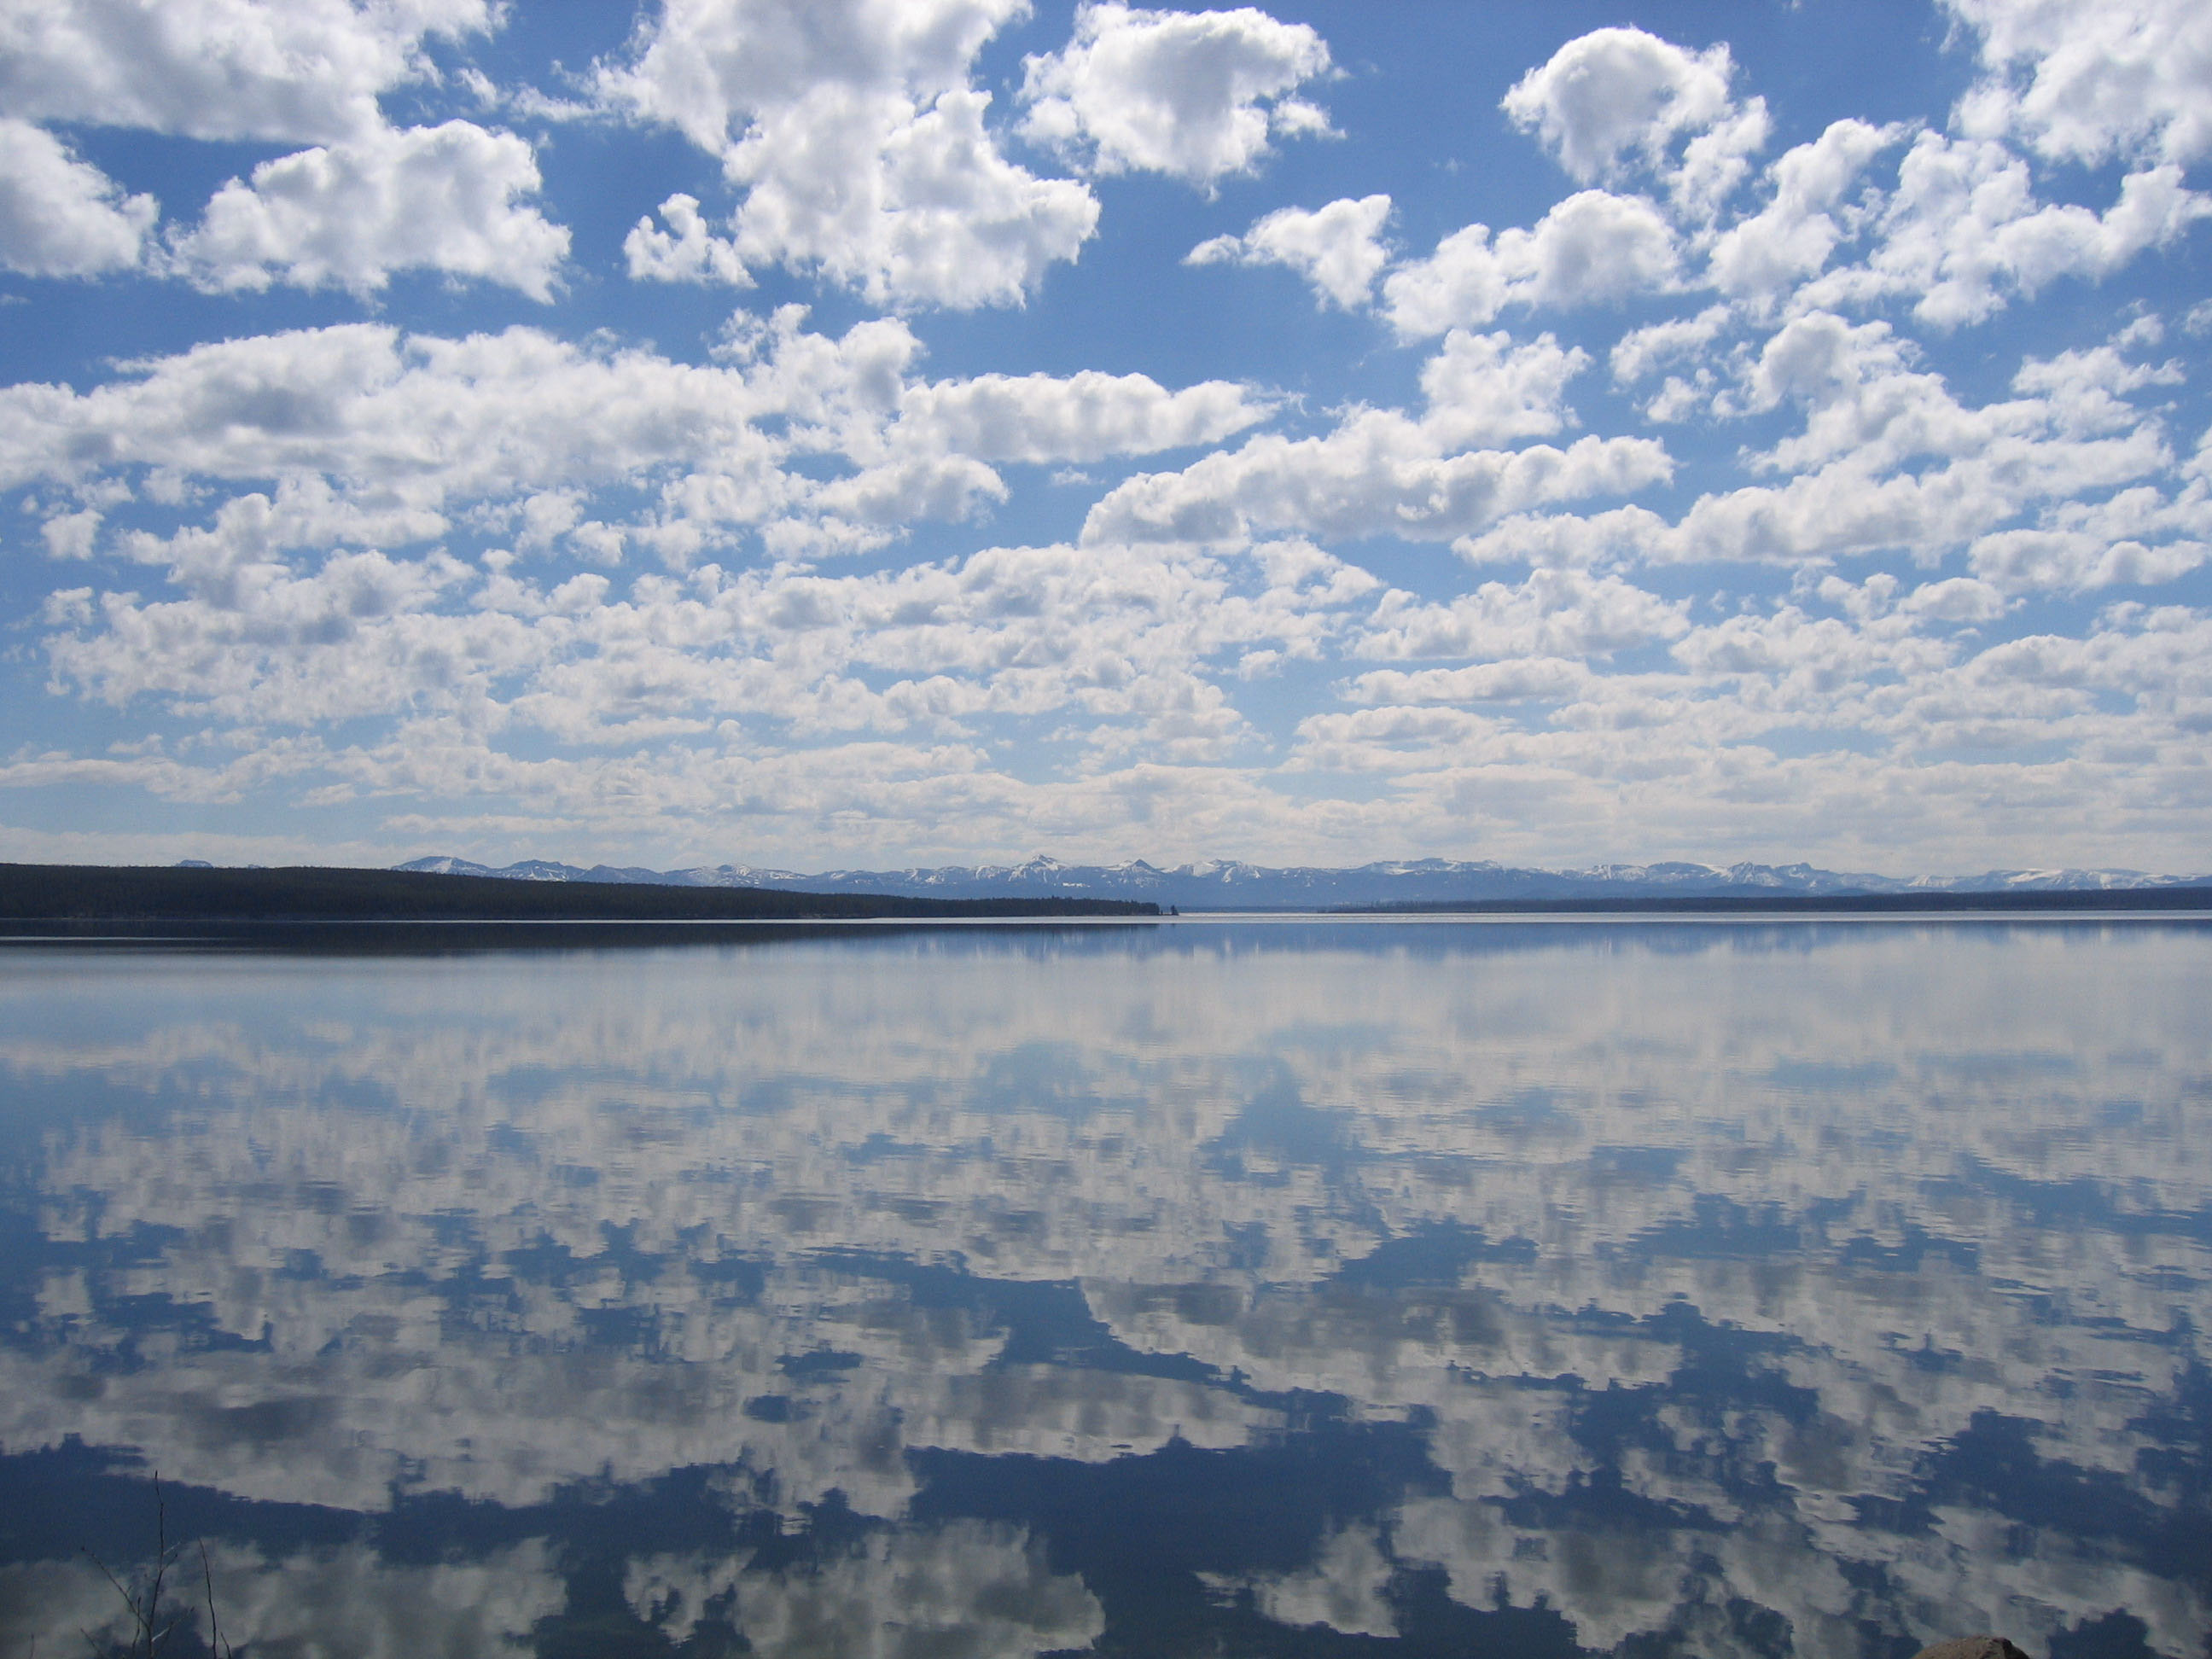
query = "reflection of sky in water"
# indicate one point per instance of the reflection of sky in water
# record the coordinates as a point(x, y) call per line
point(1709, 1291)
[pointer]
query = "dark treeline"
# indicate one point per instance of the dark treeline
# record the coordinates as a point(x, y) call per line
point(1765, 903)
point(77, 892)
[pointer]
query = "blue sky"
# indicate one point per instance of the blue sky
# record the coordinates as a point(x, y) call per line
point(869, 432)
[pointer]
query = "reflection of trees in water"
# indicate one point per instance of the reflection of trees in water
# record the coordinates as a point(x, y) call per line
point(1678, 1300)
point(346, 1601)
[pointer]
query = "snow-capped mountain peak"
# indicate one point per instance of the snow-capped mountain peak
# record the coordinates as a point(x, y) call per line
point(1225, 883)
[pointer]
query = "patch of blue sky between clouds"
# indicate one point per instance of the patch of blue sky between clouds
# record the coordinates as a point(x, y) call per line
point(863, 433)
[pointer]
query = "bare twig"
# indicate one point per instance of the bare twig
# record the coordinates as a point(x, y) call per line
point(160, 1565)
point(144, 1604)
point(216, 1645)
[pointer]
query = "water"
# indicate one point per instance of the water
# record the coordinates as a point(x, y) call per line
point(1236, 1288)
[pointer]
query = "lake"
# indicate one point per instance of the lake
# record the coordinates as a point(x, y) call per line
point(1219, 1286)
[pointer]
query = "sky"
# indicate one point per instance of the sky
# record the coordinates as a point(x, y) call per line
point(867, 433)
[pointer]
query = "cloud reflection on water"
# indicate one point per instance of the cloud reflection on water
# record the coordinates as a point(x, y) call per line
point(1695, 1278)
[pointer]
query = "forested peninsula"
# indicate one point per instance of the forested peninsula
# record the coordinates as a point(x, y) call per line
point(131, 893)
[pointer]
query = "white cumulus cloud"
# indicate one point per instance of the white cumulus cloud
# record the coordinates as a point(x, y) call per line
point(1336, 248)
point(1086, 416)
point(1483, 389)
point(299, 71)
point(1792, 236)
point(713, 68)
point(1617, 93)
point(858, 143)
point(1889, 461)
point(1553, 613)
point(907, 204)
point(1593, 247)
point(365, 200)
point(1643, 351)
point(522, 423)
point(1381, 472)
point(2085, 82)
point(1194, 94)
point(444, 198)
point(687, 252)
point(60, 215)
point(562, 581)
point(1963, 234)
point(1376, 474)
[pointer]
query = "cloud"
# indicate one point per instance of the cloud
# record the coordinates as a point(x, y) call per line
point(905, 202)
point(437, 199)
point(1551, 614)
point(1889, 461)
point(1336, 248)
point(561, 580)
point(1963, 234)
point(1641, 352)
point(1371, 477)
point(1958, 600)
point(1381, 473)
point(1802, 658)
point(1567, 540)
point(255, 528)
point(1377, 474)
point(380, 441)
point(1819, 358)
point(302, 71)
point(1591, 248)
point(430, 420)
point(2137, 538)
point(712, 68)
point(2128, 77)
point(1116, 637)
point(431, 426)
point(1618, 97)
point(60, 216)
point(1715, 163)
point(1792, 236)
point(352, 638)
point(1547, 679)
point(966, 1588)
point(691, 254)
point(1483, 389)
point(858, 144)
point(1343, 1589)
point(365, 200)
point(1083, 417)
point(1194, 95)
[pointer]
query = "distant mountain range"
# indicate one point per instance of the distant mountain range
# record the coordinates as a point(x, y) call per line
point(1223, 885)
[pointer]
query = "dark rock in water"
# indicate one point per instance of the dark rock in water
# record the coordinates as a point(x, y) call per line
point(1972, 1647)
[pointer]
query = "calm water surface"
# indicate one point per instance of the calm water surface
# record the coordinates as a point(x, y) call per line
point(1213, 1288)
